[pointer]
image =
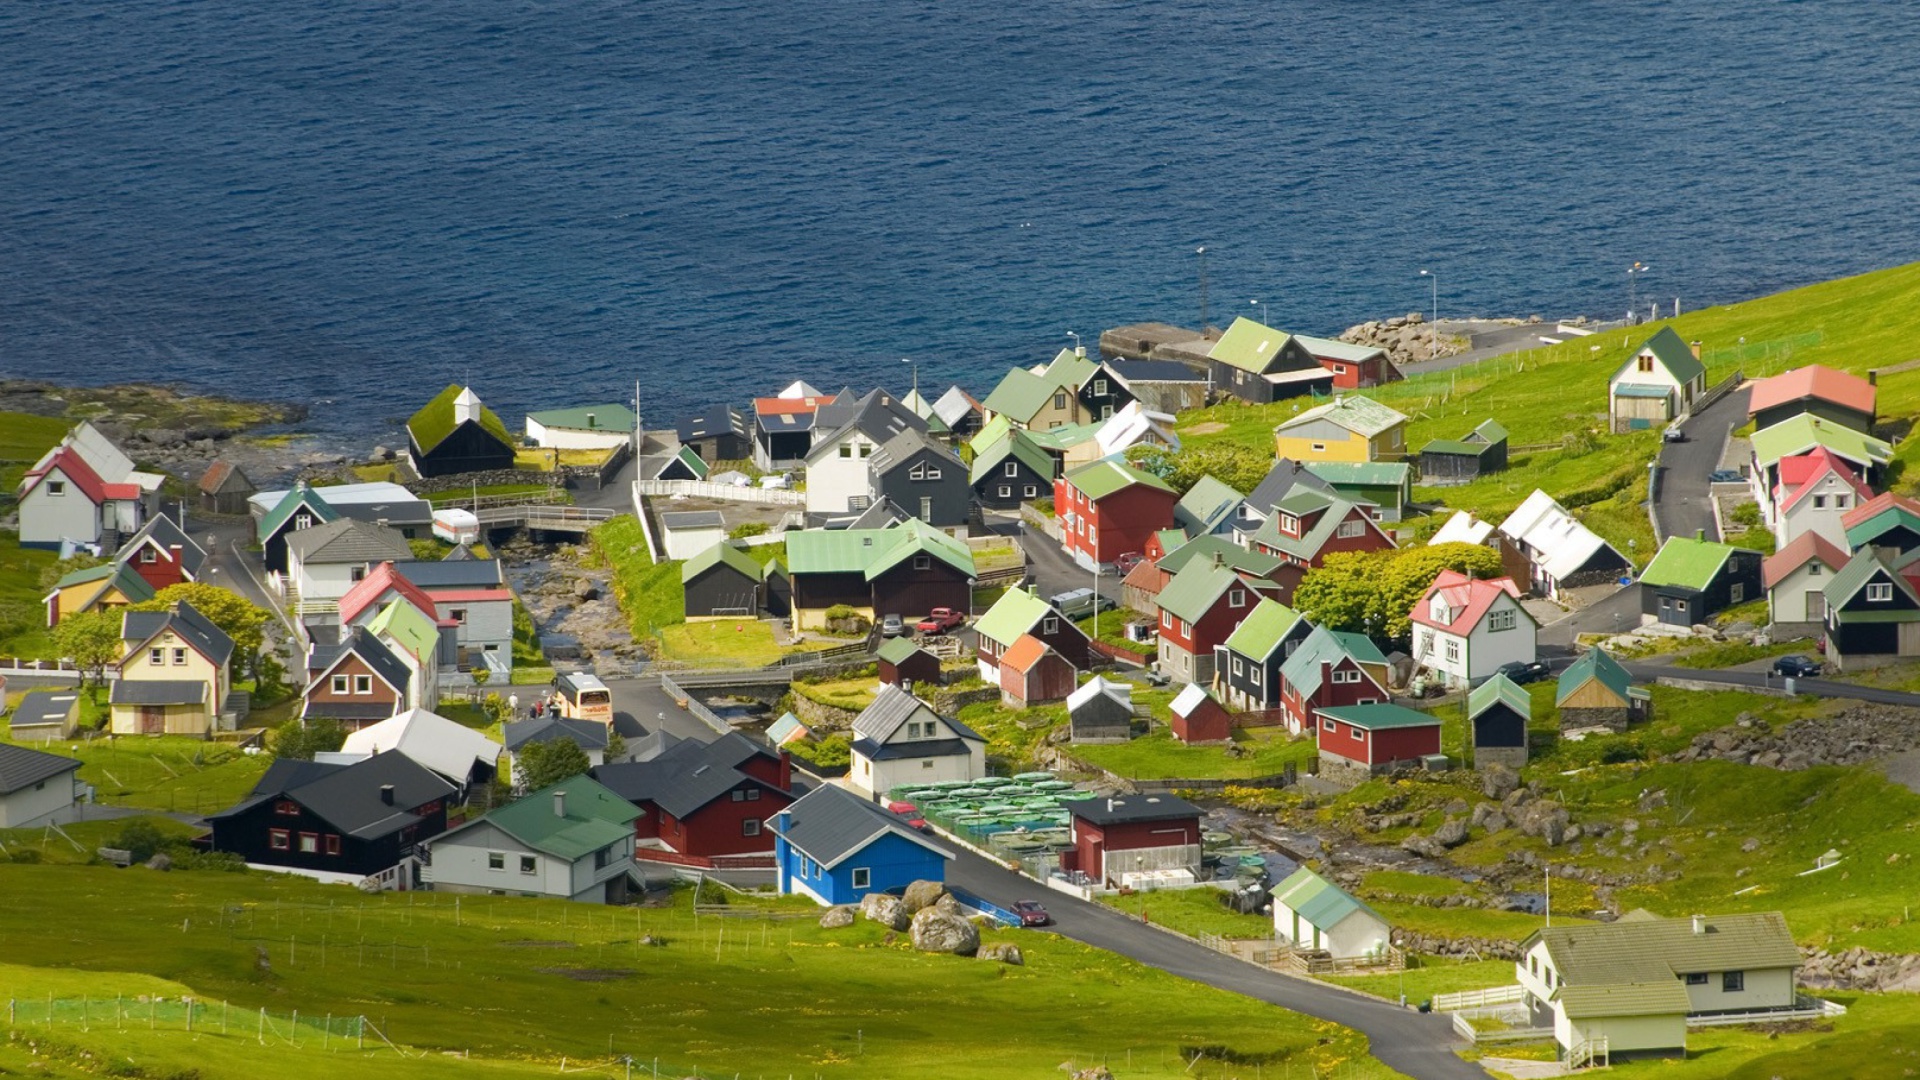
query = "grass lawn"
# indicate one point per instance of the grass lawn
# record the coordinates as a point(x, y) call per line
point(23, 617)
point(166, 772)
point(736, 642)
point(1430, 975)
point(649, 593)
point(23, 438)
point(854, 693)
point(1159, 756)
point(1113, 631)
point(543, 459)
point(1193, 912)
point(519, 983)
point(462, 496)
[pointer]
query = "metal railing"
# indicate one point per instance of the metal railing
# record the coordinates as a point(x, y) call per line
point(695, 706)
point(1803, 1008)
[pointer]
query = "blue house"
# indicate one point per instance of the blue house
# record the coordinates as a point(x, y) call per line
point(836, 847)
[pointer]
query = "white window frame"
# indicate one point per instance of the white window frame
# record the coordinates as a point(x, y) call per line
point(1012, 469)
point(56, 489)
point(1504, 619)
point(342, 684)
point(861, 878)
point(1879, 592)
point(1350, 529)
point(1237, 598)
point(362, 684)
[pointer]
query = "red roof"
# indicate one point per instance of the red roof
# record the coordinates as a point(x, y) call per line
point(1813, 381)
point(1471, 597)
point(1801, 473)
point(371, 588)
point(1808, 545)
point(775, 406)
point(1880, 503)
point(1147, 577)
point(1024, 653)
point(70, 464)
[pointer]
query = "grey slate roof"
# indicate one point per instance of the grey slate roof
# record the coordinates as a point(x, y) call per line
point(397, 512)
point(830, 823)
point(345, 540)
point(686, 776)
point(904, 446)
point(451, 573)
point(373, 652)
point(158, 692)
point(38, 709)
point(651, 745)
point(196, 629)
point(893, 707)
point(162, 531)
point(347, 797)
point(1131, 808)
point(21, 768)
point(1132, 371)
point(693, 519)
point(878, 415)
point(364, 709)
point(718, 420)
point(585, 734)
point(1280, 481)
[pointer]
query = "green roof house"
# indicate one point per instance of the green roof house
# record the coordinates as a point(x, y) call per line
point(1199, 609)
point(1596, 692)
point(721, 582)
point(104, 587)
point(572, 840)
point(1312, 913)
point(419, 644)
point(1444, 462)
point(1021, 612)
point(1257, 363)
point(1207, 507)
point(1801, 434)
point(1497, 714)
point(1011, 470)
point(1247, 676)
point(1692, 579)
point(1657, 385)
point(586, 427)
point(1872, 610)
point(454, 433)
point(907, 570)
point(1046, 398)
point(1387, 486)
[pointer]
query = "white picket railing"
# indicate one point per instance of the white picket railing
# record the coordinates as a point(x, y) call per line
point(706, 489)
point(1473, 999)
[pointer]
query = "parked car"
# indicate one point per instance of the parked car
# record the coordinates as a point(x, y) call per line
point(1524, 671)
point(940, 620)
point(1796, 667)
point(1725, 476)
point(1124, 564)
point(1031, 913)
point(910, 812)
point(892, 626)
point(1080, 603)
point(1673, 434)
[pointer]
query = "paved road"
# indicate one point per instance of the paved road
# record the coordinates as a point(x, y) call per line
point(1417, 1045)
point(1734, 680)
point(1615, 614)
point(1684, 507)
point(640, 706)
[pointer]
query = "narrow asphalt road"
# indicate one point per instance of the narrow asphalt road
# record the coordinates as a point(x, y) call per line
point(1684, 506)
point(1419, 1045)
point(1760, 680)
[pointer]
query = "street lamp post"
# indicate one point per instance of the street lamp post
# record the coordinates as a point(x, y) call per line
point(1435, 280)
point(1263, 311)
point(1076, 343)
point(1633, 288)
point(916, 374)
point(1202, 253)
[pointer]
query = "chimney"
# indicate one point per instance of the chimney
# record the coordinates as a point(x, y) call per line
point(1699, 925)
point(1109, 804)
point(1699, 534)
point(1219, 559)
point(173, 553)
point(1695, 346)
point(592, 421)
point(786, 771)
point(386, 794)
point(559, 804)
point(1080, 351)
point(1873, 377)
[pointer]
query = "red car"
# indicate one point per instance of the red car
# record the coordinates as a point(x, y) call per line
point(1031, 913)
point(1124, 564)
point(910, 812)
point(940, 620)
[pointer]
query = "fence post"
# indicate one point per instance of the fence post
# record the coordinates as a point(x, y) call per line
point(360, 1035)
point(189, 1002)
point(326, 1039)
point(262, 1035)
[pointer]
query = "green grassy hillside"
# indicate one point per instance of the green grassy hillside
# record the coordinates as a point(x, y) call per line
point(1555, 398)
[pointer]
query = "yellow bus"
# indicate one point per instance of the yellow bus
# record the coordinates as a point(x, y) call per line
point(580, 696)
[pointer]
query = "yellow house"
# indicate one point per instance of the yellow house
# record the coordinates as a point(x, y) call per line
point(1348, 428)
point(111, 585)
point(1048, 398)
point(175, 676)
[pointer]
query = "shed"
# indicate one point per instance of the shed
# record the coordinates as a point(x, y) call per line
point(33, 784)
point(721, 582)
point(1498, 711)
point(689, 532)
point(47, 716)
point(224, 489)
point(1358, 742)
point(1312, 913)
point(787, 729)
point(1134, 840)
point(1101, 711)
point(1032, 673)
point(1597, 692)
point(586, 427)
point(1457, 461)
point(1198, 719)
point(906, 664)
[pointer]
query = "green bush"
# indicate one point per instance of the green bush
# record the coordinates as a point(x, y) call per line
point(829, 753)
point(140, 838)
point(842, 611)
point(750, 528)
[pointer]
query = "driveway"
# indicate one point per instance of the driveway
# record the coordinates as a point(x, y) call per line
point(1684, 506)
point(1419, 1045)
point(1614, 614)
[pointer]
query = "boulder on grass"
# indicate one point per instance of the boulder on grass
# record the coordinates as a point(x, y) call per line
point(935, 931)
point(1004, 951)
point(837, 917)
point(886, 910)
point(922, 894)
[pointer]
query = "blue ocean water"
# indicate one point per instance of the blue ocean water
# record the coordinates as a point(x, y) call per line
point(354, 202)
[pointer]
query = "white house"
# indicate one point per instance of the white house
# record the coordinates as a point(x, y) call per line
point(1135, 425)
point(1816, 490)
point(1658, 384)
point(1635, 982)
point(1561, 552)
point(1311, 913)
point(1465, 628)
point(34, 784)
point(63, 498)
point(899, 739)
point(1796, 579)
point(571, 841)
point(327, 560)
point(589, 427)
point(459, 754)
point(687, 533)
point(847, 433)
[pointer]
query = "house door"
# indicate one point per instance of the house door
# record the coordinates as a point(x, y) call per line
point(151, 720)
point(1909, 639)
point(1817, 607)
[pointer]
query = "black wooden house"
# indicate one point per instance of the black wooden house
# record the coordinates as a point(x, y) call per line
point(454, 433)
point(361, 820)
point(1498, 711)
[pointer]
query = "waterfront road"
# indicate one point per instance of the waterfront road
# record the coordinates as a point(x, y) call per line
point(1684, 507)
point(1417, 1044)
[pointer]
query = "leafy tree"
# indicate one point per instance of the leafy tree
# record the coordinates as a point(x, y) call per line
point(1239, 466)
point(550, 762)
point(239, 618)
point(140, 838)
point(1374, 592)
point(91, 640)
point(616, 746)
point(301, 739)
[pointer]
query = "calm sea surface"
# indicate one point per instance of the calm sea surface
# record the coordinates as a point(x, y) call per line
point(354, 203)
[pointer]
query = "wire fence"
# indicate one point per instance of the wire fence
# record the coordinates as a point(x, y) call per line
point(120, 1013)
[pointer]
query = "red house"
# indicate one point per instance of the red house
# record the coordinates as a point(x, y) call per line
point(1108, 509)
point(1354, 367)
point(1330, 669)
point(1031, 673)
point(1118, 837)
point(1197, 718)
point(1199, 610)
point(1307, 526)
point(704, 800)
point(162, 554)
point(368, 595)
point(1358, 742)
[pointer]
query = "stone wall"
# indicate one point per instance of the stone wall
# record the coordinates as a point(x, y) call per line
point(1860, 734)
point(1614, 720)
point(949, 702)
point(821, 716)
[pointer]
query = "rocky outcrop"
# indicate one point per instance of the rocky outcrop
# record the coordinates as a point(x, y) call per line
point(886, 910)
point(1860, 734)
point(1408, 339)
point(1004, 951)
point(936, 931)
point(1860, 969)
point(837, 917)
point(1435, 945)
